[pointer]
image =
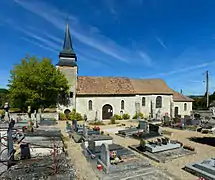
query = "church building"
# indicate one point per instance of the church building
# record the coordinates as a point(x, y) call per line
point(102, 97)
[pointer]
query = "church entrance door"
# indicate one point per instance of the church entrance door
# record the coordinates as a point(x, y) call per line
point(107, 111)
point(176, 111)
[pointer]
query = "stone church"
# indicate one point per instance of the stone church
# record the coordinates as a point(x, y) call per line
point(102, 97)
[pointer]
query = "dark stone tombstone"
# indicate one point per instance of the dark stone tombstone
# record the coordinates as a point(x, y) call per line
point(143, 125)
point(25, 151)
point(75, 125)
point(153, 129)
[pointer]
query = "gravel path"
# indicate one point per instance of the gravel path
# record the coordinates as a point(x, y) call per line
point(83, 167)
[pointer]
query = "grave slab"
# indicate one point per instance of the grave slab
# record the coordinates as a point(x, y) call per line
point(205, 169)
point(157, 148)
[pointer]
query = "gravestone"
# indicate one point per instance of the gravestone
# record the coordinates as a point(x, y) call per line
point(143, 125)
point(85, 130)
point(84, 148)
point(6, 117)
point(38, 118)
point(105, 154)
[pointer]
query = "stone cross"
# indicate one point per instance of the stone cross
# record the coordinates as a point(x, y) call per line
point(85, 130)
point(84, 148)
point(105, 154)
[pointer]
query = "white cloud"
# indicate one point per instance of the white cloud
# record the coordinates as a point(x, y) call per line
point(161, 42)
point(145, 57)
point(38, 44)
point(88, 35)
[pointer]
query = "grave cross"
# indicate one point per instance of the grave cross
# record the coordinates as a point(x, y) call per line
point(105, 154)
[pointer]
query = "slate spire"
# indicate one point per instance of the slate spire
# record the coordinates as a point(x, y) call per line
point(67, 51)
point(67, 46)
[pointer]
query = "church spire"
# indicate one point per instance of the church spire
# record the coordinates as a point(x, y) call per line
point(67, 55)
point(67, 40)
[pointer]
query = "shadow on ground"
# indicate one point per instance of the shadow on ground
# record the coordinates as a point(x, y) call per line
point(204, 140)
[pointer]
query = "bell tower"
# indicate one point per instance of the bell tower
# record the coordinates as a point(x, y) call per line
point(67, 64)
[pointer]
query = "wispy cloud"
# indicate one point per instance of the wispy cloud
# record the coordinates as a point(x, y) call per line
point(41, 39)
point(111, 6)
point(86, 34)
point(146, 58)
point(161, 42)
point(38, 44)
point(186, 69)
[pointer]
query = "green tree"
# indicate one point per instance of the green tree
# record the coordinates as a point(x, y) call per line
point(36, 82)
point(3, 97)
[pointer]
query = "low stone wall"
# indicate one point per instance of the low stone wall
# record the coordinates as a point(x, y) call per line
point(203, 113)
point(44, 115)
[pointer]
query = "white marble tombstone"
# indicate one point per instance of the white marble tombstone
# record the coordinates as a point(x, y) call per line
point(6, 117)
point(105, 154)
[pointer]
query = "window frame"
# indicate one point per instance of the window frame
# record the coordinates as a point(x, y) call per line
point(158, 102)
point(185, 106)
point(143, 101)
point(90, 105)
point(122, 105)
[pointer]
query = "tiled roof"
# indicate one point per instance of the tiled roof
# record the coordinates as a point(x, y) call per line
point(88, 85)
point(177, 97)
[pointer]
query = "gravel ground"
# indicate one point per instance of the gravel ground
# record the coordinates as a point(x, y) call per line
point(85, 171)
point(83, 168)
point(174, 167)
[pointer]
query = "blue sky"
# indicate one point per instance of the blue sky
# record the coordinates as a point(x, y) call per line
point(172, 40)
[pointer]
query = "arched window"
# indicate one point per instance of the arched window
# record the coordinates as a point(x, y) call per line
point(185, 106)
point(143, 101)
point(90, 105)
point(122, 104)
point(158, 102)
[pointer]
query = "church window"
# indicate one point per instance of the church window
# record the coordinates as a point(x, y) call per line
point(71, 94)
point(158, 102)
point(185, 106)
point(143, 101)
point(122, 104)
point(90, 105)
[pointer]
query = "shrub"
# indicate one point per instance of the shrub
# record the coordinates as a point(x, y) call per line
point(62, 116)
point(112, 120)
point(177, 120)
point(75, 116)
point(15, 110)
point(142, 143)
point(2, 112)
point(49, 110)
point(125, 116)
point(117, 117)
point(97, 123)
point(138, 114)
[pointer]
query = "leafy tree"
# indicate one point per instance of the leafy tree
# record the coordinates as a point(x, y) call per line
point(3, 97)
point(37, 83)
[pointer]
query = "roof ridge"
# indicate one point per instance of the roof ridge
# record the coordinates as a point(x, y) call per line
point(123, 77)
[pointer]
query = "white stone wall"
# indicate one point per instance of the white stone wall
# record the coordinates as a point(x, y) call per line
point(181, 110)
point(71, 74)
point(115, 102)
point(146, 110)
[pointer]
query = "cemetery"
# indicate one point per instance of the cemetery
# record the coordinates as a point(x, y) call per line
point(33, 151)
point(162, 149)
point(205, 169)
point(112, 161)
